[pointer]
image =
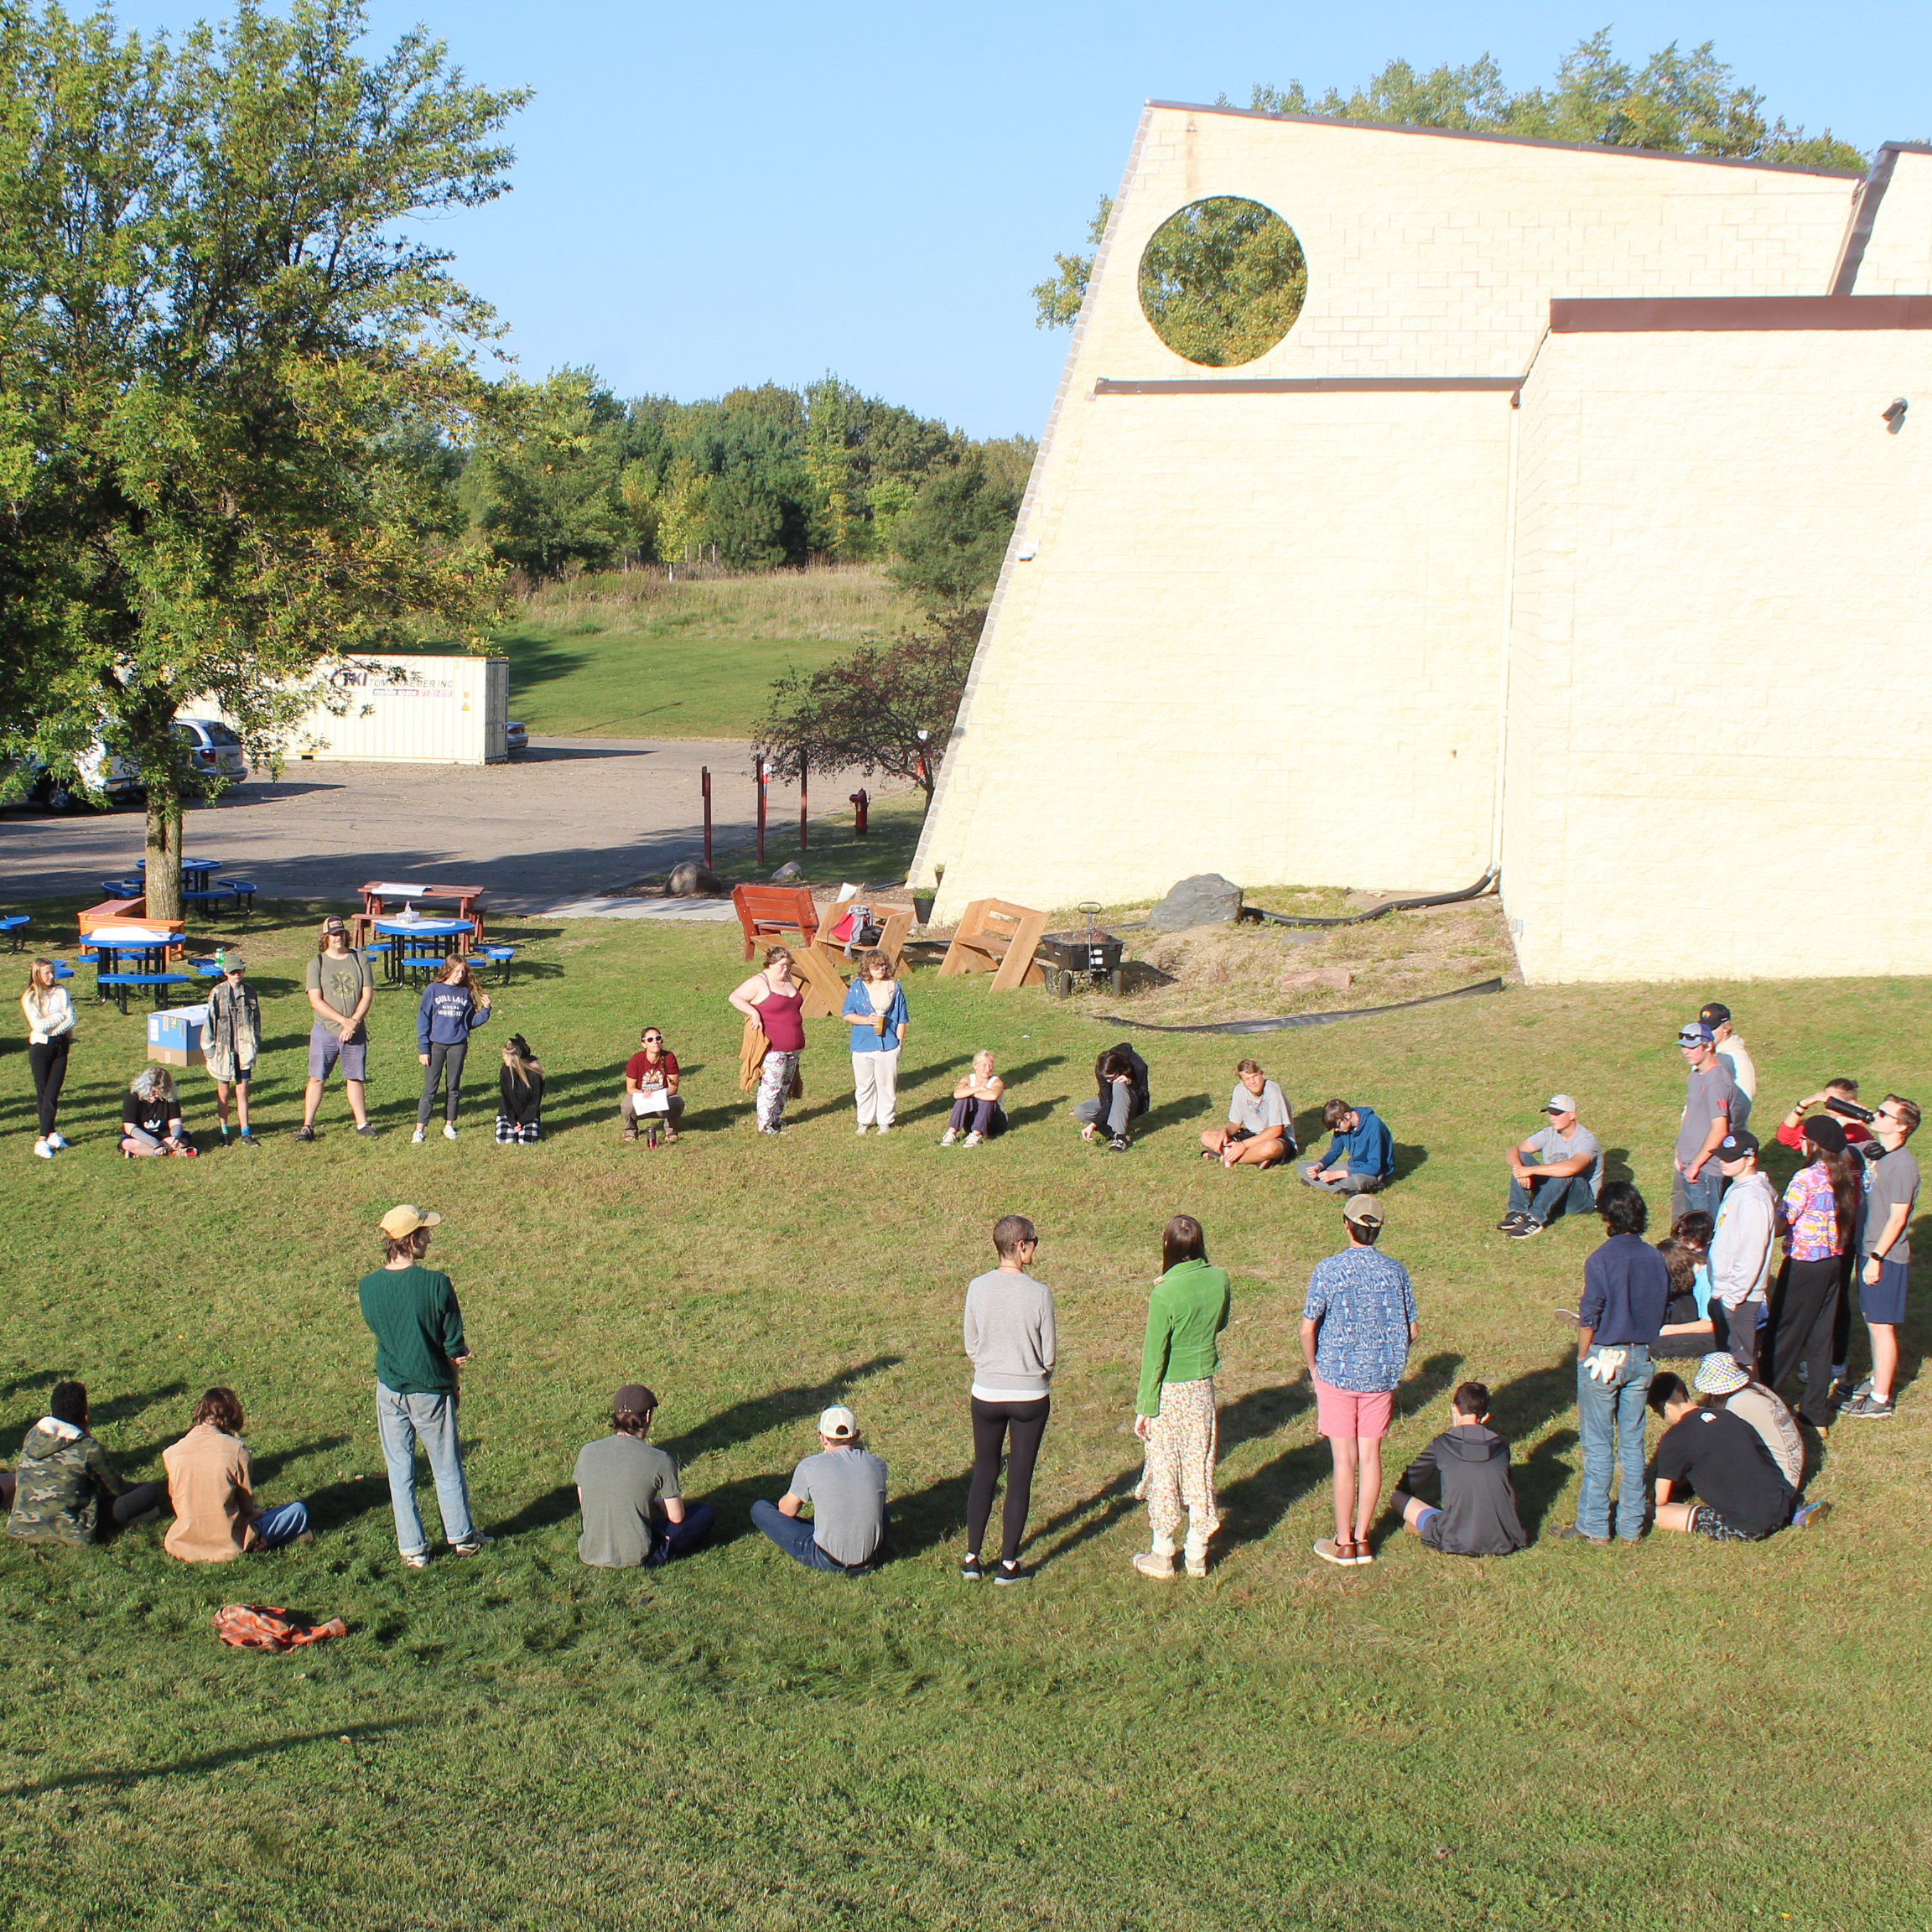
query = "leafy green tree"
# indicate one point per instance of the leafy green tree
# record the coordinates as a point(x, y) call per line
point(1222, 280)
point(886, 708)
point(222, 362)
point(1675, 103)
point(952, 540)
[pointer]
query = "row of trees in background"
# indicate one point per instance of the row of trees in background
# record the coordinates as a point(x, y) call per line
point(565, 474)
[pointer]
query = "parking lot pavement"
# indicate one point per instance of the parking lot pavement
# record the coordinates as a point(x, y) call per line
point(572, 819)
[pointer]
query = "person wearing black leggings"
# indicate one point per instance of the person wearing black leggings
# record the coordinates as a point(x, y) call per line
point(49, 1031)
point(1009, 1341)
point(452, 1007)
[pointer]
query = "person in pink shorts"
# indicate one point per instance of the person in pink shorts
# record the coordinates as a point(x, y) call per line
point(1356, 1325)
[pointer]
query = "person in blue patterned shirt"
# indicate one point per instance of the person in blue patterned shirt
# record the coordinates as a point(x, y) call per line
point(1356, 1325)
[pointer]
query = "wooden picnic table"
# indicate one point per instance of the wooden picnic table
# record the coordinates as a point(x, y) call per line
point(468, 903)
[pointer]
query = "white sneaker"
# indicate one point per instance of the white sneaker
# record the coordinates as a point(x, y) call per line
point(884, 1126)
point(448, 1129)
point(57, 1141)
point(43, 1150)
point(417, 1137)
point(975, 1140)
point(949, 1136)
point(861, 1131)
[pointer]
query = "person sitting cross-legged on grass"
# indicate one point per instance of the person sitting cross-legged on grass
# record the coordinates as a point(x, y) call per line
point(1361, 1157)
point(63, 1476)
point(1740, 1494)
point(1358, 1323)
point(519, 1095)
point(651, 1096)
point(1477, 1516)
point(627, 1488)
point(976, 1110)
point(151, 1116)
point(1686, 1330)
point(1260, 1129)
point(1124, 1096)
point(845, 1484)
point(211, 1486)
point(1555, 1172)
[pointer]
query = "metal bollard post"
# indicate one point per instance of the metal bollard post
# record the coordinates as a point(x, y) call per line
point(802, 804)
point(706, 786)
point(763, 776)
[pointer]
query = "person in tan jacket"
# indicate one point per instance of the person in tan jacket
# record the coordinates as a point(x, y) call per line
point(211, 1486)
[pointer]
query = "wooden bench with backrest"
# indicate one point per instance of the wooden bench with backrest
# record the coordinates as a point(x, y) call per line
point(773, 912)
point(1001, 938)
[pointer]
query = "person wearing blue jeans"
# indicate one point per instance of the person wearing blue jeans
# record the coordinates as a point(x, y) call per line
point(420, 1348)
point(1555, 1172)
point(1619, 1319)
point(845, 1485)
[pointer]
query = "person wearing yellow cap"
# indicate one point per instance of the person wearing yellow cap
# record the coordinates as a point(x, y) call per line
point(420, 1348)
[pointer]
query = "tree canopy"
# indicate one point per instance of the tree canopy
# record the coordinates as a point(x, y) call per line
point(229, 379)
point(1675, 102)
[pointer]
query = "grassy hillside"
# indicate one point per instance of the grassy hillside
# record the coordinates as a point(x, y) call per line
point(1635, 1739)
point(638, 656)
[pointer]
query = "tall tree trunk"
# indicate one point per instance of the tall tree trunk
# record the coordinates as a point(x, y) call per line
point(164, 855)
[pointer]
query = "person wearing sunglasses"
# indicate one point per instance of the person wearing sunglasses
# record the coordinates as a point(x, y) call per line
point(231, 1040)
point(650, 1097)
point(1890, 1193)
point(1710, 1113)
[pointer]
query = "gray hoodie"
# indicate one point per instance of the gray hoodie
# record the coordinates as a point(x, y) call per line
point(1008, 1335)
point(1479, 1503)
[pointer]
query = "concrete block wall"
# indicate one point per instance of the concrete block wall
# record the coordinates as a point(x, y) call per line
point(1898, 259)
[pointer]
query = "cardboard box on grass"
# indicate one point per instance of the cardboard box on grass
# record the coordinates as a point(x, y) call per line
point(174, 1036)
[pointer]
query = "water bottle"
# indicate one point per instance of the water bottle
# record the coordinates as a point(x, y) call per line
point(220, 959)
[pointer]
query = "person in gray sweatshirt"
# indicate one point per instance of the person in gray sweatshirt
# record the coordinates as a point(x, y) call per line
point(1009, 1341)
point(1478, 1515)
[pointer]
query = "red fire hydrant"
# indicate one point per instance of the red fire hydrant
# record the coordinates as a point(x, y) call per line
point(858, 800)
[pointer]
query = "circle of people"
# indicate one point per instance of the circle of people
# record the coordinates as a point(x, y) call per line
point(1730, 1468)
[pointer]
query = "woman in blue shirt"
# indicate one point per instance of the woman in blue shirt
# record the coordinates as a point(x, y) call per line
point(452, 1007)
point(875, 1004)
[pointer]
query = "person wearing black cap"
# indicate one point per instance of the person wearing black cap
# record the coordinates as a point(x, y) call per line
point(1741, 1249)
point(1819, 1220)
point(627, 1488)
point(1735, 1055)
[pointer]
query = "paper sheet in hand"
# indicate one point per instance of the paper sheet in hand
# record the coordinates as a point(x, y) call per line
point(652, 1100)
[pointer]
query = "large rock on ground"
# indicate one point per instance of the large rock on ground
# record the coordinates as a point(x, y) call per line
point(692, 880)
point(789, 874)
point(1205, 900)
point(1318, 980)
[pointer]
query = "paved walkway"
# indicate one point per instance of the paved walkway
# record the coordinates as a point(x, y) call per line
point(571, 820)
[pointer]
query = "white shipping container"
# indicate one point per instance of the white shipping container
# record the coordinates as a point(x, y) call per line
point(410, 711)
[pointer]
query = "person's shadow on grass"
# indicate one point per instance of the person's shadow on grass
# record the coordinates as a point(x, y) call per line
point(1540, 1479)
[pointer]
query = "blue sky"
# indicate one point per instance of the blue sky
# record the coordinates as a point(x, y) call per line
point(714, 195)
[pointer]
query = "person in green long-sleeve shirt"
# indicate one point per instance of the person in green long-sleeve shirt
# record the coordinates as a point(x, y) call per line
point(1174, 1408)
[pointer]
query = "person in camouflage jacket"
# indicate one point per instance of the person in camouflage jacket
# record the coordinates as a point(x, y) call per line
point(63, 1474)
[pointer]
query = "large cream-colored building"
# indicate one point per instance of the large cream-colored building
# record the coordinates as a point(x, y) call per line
point(1566, 531)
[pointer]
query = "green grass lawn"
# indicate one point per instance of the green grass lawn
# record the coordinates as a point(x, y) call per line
point(1676, 1735)
point(638, 656)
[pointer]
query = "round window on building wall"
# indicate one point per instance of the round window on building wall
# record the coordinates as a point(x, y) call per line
point(1222, 281)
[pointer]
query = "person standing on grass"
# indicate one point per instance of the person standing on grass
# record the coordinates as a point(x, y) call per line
point(231, 1040)
point(1174, 1406)
point(1741, 1250)
point(1358, 1324)
point(420, 1351)
point(875, 1004)
point(211, 1489)
point(976, 1110)
point(1470, 1462)
point(1619, 1320)
point(519, 1095)
point(340, 987)
point(64, 1477)
point(773, 1004)
point(1885, 1250)
point(650, 1071)
point(845, 1485)
point(1010, 1339)
point(1737, 1057)
point(49, 1033)
point(1555, 1172)
point(1361, 1157)
point(1838, 1096)
point(1742, 1496)
point(1260, 1128)
point(634, 1512)
point(453, 1007)
point(1709, 1102)
point(1819, 1219)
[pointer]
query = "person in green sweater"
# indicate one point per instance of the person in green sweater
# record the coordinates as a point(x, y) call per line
point(420, 1348)
point(1175, 1409)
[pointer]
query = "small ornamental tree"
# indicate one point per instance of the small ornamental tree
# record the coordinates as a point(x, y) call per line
point(228, 376)
point(887, 707)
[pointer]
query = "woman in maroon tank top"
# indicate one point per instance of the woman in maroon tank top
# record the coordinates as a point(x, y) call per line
point(774, 1000)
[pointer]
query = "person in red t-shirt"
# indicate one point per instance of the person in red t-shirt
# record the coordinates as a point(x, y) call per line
point(652, 1070)
point(1791, 1128)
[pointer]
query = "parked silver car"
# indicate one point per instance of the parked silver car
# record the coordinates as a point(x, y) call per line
point(214, 749)
point(516, 739)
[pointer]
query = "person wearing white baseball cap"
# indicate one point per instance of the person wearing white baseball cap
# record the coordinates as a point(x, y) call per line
point(1555, 1172)
point(845, 1484)
point(412, 1312)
